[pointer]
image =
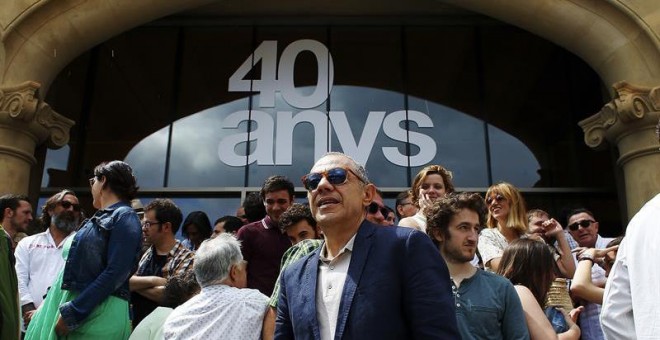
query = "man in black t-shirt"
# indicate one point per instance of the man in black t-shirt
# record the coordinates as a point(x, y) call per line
point(165, 258)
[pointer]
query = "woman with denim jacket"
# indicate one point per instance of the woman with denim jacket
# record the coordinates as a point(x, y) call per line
point(89, 299)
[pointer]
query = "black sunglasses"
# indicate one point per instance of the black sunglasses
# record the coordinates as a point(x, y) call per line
point(374, 207)
point(67, 205)
point(498, 198)
point(336, 176)
point(583, 224)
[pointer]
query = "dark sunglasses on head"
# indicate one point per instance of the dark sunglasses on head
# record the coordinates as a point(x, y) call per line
point(583, 224)
point(67, 205)
point(374, 207)
point(335, 176)
point(497, 198)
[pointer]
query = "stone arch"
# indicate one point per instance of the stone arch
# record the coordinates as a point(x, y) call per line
point(617, 38)
point(40, 37)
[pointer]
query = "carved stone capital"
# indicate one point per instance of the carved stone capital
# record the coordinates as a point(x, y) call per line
point(633, 107)
point(21, 109)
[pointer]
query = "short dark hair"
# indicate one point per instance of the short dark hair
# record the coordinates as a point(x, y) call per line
point(119, 178)
point(277, 183)
point(166, 211)
point(51, 203)
point(201, 220)
point(232, 223)
point(180, 288)
point(254, 207)
point(576, 211)
point(296, 213)
point(11, 201)
point(402, 196)
point(444, 208)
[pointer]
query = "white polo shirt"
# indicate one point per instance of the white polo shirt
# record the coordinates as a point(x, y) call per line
point(38, 262)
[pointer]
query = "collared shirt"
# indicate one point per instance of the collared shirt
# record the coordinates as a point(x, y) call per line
point(633, 281)
point(151, 327)
point(329, 287)
point(589, 318)
point(488, 307)
point(292, 255)
point(38, 262)
point(262, 245)
point(218, 312)
point(572, 243)
point(179, 260)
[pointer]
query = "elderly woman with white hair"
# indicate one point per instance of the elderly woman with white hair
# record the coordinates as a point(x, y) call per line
point(224, 308)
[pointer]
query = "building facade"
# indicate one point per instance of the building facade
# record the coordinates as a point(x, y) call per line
point(207, 99)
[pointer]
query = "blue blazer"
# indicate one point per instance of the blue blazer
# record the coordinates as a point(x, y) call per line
point(397, 287)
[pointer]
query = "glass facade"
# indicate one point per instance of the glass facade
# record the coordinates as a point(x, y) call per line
point(214, 110)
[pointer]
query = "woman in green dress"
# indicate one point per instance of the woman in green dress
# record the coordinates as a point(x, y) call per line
point(90, 296)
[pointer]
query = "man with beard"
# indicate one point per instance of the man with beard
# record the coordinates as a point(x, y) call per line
point(165, 258)
point(39, 257)
point(487, 305)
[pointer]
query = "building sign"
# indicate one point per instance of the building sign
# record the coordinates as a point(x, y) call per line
point(273, 136)
point(278, 128)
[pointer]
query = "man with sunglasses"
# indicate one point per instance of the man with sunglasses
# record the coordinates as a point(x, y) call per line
point(365, 281)
point(39, 257)
point(404, 206)
point(166, 257)
point(583, 227)
point(377, 211)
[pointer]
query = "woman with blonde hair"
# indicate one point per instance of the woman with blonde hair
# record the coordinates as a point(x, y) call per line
point(431, 182)
point(507, 222)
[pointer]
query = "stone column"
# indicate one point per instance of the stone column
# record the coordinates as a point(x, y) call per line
point(25, 123)
point(629, 122)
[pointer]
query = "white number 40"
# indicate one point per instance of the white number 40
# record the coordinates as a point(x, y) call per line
point(273, 81)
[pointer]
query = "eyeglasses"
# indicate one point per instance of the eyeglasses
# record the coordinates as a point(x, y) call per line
point(148, 224)
point(92, 181)
point(373, 208)
point(67, 205)
point(335, 176)
point(583, 224)
point(498, 198)
point(403, 204)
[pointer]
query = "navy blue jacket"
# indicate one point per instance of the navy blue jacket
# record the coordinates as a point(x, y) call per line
point(397, 287)
point(102, 256)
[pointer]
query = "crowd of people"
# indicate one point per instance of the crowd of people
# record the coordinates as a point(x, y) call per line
point(458, 265)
